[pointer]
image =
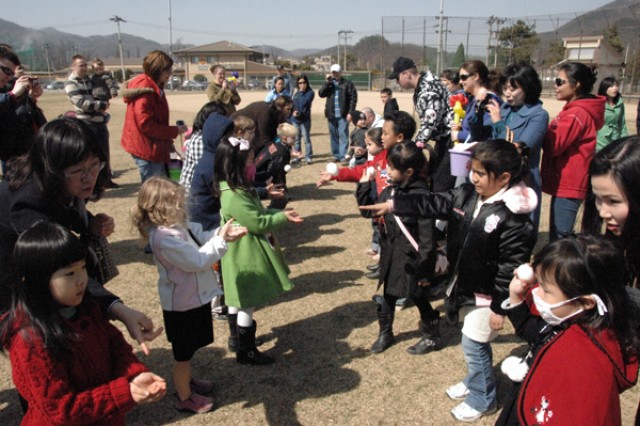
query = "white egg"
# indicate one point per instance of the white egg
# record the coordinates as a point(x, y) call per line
point(371, 170)
point(287, 168)
point(525, 273)
point(332, 169)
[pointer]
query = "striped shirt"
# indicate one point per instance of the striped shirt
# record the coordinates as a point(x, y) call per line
point(195, 147)
point(80, 95)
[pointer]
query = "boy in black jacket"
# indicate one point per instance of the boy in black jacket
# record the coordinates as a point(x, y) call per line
point(273, 161)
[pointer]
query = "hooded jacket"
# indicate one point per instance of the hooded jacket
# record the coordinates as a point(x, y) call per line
point(615, 126)
point(572, 367)
point(204, 207)
point(569, 146)
point(483, 251)
point(146, 132)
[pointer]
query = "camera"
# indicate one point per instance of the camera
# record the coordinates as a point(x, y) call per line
point(34, 81)
point(483, 104)
point(180, 123)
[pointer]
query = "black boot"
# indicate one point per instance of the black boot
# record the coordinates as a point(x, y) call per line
point(247, 351)
point(430, 340)
point(232, 342)
point(385, 337)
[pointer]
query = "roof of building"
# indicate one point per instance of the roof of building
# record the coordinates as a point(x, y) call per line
point(220, 46)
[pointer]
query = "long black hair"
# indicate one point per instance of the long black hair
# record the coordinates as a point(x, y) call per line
point(39, 252)
point(60, 144)
point(498, 156)
point(229, 166)
point(605, 84)
point(583, 74)
point(407, 155)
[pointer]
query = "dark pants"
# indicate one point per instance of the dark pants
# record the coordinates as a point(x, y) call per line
point(102, 134)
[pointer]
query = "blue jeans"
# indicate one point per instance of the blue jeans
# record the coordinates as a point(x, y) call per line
point(304, 131)
point(562, 217)
point(339, 134)
point(149, 168)
point(480, 380)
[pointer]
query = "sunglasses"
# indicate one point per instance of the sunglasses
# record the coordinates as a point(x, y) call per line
point(464, 77)
point(559, 82)
point(8, 71)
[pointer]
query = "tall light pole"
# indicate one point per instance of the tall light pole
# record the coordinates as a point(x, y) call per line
point(117, 20)
point(346, 37)
point(439, 58)
point(170, 33)
point(46, 51)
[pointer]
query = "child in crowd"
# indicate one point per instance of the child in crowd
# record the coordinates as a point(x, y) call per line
point(408, 250)
point(69, 363)
point(583, 351)
point(488, 236)
point(357, 154)
point(183, 254)
point(254, 271)
point(273, 159)
point(373, 139)
point(104, 86)
point(390, 103)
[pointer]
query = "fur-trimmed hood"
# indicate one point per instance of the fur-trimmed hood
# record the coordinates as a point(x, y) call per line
point(520, 199)
point(138, 86)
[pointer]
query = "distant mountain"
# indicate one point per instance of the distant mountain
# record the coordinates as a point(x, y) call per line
point(276, 52)
point(29, 44)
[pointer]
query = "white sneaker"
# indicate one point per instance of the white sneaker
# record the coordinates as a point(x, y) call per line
point(467, 414)
point(457, 392)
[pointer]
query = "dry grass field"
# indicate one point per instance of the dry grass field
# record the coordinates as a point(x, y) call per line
point(319, 333)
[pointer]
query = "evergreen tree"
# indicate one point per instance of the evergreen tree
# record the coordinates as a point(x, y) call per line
point(459, 57)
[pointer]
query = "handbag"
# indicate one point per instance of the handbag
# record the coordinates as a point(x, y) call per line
point(105, 267)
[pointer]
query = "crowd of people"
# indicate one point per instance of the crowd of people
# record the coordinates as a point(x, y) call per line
point(468, 239)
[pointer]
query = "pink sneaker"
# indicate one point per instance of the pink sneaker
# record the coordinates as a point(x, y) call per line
point(201, 386)
point(195, 403)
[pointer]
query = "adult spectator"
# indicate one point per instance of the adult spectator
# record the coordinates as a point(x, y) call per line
point(20, 116)
point(289, 81)
point(222, 91)
point(372, 119)
point(301, 117)
point(521, 118)
point(267, 117)
point(92, 111)
point(279, 89)
point(52, 182)
point(147, 135)
point(615, 126)
point(430, 100)
point(342, 98)
point(569, 146)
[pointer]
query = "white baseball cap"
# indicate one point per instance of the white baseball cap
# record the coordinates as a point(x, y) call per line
point(335, 68)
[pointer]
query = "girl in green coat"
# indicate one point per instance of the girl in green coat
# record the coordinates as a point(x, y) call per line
point(254, 270)
point(615, 126)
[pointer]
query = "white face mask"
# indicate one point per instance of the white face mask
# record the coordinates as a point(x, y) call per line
point(550, 318)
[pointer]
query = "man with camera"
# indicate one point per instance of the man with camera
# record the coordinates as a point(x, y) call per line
point(342, 98)
point(430, 98)
point(20, 117)
point(79, 90)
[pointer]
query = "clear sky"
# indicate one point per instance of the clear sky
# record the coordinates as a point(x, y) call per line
point(288, 25)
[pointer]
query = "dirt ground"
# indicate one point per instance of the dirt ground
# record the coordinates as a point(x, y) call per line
point(319, 333)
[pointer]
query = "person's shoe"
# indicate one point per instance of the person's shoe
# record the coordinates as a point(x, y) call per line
point(401, 303)
point(195, 403)
point(373, 275)
point(201, 386)
point(111, 185)
point(294, 161)
point(385, 336)
point(467, 414)
point(147, 249)
point(457, 392)
point(378, 299)
point(373, 266)
point(308, 161)
point(430, 340)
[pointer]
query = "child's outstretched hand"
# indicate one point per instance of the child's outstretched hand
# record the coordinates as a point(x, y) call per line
point(368, 174)
point(230, 232)
point(325, 177)
point(292, 216)
point(523, 278)
point(274, 191)
point(147, 387)
point(379, 209)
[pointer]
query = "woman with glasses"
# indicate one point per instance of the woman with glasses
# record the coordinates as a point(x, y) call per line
point(52, 182)
point(521, 118)
point(147, 135)
point(614, 126)
point(482, 86)
point(569, 146)
point(301, 117)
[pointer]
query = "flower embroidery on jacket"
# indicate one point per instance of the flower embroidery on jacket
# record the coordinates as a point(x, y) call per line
point(491, 223)
point(543, 413)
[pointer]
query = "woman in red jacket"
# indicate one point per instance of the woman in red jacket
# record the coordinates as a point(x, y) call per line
point(147, 135)
point(569, 146)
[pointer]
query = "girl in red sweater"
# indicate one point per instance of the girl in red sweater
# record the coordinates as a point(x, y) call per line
point(68, 362)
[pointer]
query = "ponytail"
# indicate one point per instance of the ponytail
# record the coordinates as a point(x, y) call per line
point(498, 156)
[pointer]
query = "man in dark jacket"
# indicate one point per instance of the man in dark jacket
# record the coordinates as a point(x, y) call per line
point(267, 118)
point(342, 98)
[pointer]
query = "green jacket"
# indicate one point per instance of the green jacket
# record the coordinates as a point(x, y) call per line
point(254, 271)
point(614, 126)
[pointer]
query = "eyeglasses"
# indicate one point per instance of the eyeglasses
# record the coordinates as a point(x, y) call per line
point(464, 77)
point(8, 71)
point(559, 82)
point(82, 174)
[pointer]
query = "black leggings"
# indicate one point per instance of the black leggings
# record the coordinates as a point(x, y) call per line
point(427, 313)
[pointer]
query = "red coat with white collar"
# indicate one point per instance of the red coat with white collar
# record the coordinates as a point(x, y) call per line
point(146, 132)
point(353, 174)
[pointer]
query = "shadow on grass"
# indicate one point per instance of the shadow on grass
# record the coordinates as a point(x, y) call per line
point(310, 354)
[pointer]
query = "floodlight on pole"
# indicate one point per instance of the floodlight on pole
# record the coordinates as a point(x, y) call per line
point(117, 20)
